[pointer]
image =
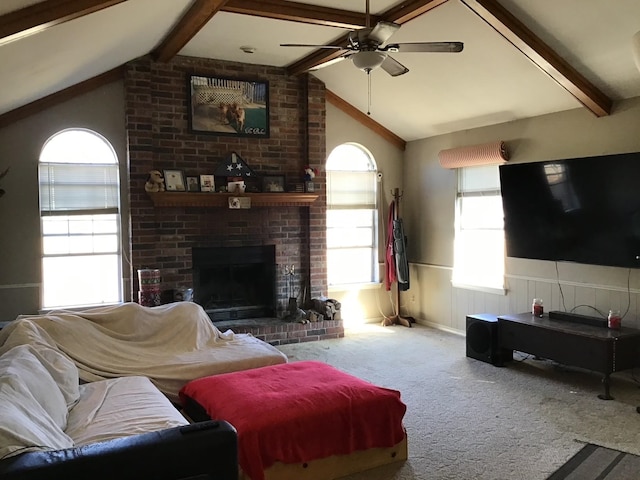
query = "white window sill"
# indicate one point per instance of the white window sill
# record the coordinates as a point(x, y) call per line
point(481, 288)
point(77, 308)
point(350, 287)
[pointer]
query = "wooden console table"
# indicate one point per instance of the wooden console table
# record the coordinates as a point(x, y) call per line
point(586, 346)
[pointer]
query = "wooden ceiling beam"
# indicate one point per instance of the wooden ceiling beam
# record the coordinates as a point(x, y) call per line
point(56, 98)
point(365, 120)
point(409, 10)
point(516, 33)
point(299, 12)
point(187, 27)
point(40, 16)
point(399, 14)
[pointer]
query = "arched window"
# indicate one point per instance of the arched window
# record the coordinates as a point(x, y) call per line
point(352, 216)
point(80, 221)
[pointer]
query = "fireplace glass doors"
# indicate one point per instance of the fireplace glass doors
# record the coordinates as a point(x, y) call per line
point(235, 282)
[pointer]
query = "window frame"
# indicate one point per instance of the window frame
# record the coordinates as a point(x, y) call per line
point(344, 204)
point(93, 230)
point(481, 188)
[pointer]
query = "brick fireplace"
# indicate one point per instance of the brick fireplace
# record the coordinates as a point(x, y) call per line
point(159, 138)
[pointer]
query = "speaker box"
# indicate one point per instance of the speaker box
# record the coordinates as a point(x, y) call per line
point(483, 340)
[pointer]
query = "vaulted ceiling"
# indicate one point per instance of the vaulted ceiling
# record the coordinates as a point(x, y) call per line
point(521, 58)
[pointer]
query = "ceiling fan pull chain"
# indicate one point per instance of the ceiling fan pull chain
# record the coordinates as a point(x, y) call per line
point(366, 15)
point(369, 92)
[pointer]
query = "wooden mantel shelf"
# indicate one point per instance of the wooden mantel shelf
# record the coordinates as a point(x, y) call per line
point(190, 199)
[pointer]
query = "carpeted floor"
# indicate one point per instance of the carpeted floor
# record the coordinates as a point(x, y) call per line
point(594, 462)
point(467, 419)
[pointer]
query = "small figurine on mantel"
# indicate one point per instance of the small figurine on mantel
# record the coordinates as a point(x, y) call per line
point(309, 174)
point(155, 182)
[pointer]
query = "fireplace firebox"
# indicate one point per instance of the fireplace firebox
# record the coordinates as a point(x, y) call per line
point(235, 282)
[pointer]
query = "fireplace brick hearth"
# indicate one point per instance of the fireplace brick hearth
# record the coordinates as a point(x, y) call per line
point(277, 332)
point(159, 138)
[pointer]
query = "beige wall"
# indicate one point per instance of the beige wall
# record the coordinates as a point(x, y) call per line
point(370, 302)
point(20, 144)
point(429, 218)
point(427, 209)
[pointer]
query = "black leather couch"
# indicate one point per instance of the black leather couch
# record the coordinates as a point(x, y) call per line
point(205, 450)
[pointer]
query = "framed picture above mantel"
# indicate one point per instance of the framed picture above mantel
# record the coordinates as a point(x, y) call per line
point(228, 106)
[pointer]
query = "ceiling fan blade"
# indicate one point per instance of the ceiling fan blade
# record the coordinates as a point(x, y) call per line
point(444, 47)
point(382, 32)
point(330, 62)
point(332, 47)
point(393, 67)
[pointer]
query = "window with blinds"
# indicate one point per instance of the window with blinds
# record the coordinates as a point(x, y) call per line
point(479, 236)
point(80, 221)
point(351, 216)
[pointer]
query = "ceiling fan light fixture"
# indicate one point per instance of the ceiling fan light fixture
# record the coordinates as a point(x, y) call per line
point(368, 60)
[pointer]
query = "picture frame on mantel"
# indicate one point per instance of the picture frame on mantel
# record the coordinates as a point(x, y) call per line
point(207, 183)
point(193, 184)
point(273, 184)
point(228, 106)
point(174, 181)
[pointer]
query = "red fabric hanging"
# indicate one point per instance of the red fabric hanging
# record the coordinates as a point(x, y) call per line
point(391, 274)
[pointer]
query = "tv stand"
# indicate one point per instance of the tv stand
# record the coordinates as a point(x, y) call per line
point(572, 343)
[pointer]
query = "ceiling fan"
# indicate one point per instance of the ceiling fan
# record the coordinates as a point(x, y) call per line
point(368, 50)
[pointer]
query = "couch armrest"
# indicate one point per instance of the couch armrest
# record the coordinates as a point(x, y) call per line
point(201, 450)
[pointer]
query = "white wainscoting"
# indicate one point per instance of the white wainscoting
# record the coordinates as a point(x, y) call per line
point(437, 303)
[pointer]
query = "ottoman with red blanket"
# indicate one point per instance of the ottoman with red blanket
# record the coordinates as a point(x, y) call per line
point(317, 420)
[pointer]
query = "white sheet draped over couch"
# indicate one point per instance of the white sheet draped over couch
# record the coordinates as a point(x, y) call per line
point(171, 344)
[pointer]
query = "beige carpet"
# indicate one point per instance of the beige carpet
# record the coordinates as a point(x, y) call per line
point(470, 420)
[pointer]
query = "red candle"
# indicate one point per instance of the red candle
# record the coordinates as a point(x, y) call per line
point(613, 320)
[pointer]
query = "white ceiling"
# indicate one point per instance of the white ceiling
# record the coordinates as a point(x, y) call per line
point(489, 82)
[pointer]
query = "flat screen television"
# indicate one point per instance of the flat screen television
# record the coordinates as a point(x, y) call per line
point(584, 210)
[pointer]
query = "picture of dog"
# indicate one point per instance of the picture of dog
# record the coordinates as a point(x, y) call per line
point(223, 110)
point(231, 114)
point(239, 115)
point(228, 106)
point(236, 116)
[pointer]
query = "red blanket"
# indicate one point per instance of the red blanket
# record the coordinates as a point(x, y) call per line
point(298, 412)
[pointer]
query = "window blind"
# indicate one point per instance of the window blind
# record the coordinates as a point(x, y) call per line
point(479, 179)
point(351, 189)
point(78, 188)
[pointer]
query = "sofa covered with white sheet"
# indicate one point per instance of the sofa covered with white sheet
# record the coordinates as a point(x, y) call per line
point(170, 344)
point(51, 426)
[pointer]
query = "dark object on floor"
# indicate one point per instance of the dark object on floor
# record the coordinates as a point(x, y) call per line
point(327, 307)
point(483, 342)
point(594, 462)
